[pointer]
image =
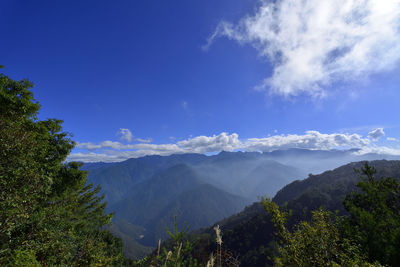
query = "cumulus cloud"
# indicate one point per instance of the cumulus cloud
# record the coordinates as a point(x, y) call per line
point(110, 151)
point(314, 43)
point(392, 139)
point(203, 144)
point(376, 134)
point(125, 134)
point(310, 140)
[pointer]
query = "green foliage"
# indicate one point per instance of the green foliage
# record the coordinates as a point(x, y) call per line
point(24, 258)
point(176, 252)
point(181, 253)
point(374, 220)
point(371, 232)
point(315, 243)
point(250, 233)
point(48, 213)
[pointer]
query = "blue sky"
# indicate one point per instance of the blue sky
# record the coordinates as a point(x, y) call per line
point(132, 78)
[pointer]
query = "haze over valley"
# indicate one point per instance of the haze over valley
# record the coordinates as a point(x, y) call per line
point(147, 192)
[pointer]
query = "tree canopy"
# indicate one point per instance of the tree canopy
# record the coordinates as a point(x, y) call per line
point(374, 221)
point(369, 235)
point(49, 215)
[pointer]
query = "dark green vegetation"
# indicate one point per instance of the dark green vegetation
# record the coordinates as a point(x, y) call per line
point(49, 215)
point(368, 235)
point(374, 221)
point(179, 253)
point(318, 242)
point(250, 234)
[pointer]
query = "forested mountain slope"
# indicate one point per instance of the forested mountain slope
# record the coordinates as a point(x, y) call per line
point(250, 232)
point(142, 190)
point(146, 193)
point(176, 191)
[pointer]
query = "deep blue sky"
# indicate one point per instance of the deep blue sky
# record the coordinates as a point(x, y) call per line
point(139, 65)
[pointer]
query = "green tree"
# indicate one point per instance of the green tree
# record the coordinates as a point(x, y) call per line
point(175, 252)
point(315, 243)
point(48, 213)
point(374, 221)
point(181, 253)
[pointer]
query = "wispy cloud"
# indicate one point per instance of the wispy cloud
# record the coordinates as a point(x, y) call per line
point(110, 151)
point(142, 140)
point(125, 134)
point(379, 150)
point(185, 105)
point(102, 145)
point(313, 43)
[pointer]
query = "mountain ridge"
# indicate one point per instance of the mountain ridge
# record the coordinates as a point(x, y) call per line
point(250, 232)
point(243, 175)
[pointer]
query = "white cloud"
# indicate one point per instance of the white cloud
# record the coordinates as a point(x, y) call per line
point(203, 144)
point(379, 150)
point(310, 140)
point(313, 43)
point(199, 144)
point(125, 134)
point(104, 144)
point(376, 134)
point(392, 139)
point(147, 140)
point(110, 151)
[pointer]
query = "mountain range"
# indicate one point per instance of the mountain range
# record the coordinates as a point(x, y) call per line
point(147, 193)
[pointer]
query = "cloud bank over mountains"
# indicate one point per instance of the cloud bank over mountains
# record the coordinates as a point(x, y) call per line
point(111, 151)
point(312, 44)
point(314, 48)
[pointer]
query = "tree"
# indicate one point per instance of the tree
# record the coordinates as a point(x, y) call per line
point(370, 233)
point(374, 221)
point(49, 215)
point(315, 243)
point(180, 251)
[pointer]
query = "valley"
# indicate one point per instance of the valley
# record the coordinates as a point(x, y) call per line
point(146, 193)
